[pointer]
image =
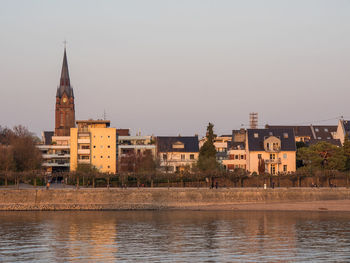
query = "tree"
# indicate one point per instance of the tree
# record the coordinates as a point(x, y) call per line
point(346, 152)
point(207, 154)
point(322, 155)
point(261, 166)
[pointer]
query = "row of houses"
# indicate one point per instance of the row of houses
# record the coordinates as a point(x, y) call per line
point(111, 150)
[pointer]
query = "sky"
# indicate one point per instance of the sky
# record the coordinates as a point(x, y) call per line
point(170, 67)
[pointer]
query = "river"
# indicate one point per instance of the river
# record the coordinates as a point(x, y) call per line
point(174, 236)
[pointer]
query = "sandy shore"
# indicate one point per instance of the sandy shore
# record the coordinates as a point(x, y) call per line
point(327, 205)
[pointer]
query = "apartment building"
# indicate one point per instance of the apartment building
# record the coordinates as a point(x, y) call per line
point(130, 149)
point(55, 152)
point(94, 142)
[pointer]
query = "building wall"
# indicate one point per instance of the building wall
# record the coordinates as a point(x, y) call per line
point(101, 143)
point(73, 148)
point(174, 160)
point(286, 158)
point(236, 159)
point(104, 149)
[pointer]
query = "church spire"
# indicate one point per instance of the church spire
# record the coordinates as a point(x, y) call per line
point(64, 86)
point(65, 81)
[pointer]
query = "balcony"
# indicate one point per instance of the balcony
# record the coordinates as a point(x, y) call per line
point(84, 161)
point(275, 149)
point(84, 140)
point(51, 156)
point(84, 151)
point(274, 161)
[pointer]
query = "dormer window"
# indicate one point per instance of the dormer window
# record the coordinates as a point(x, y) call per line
point(326, 130)
point(178, 145)
point(285, 135)
point(256, 135)
point(317, 130)
point(270, 133)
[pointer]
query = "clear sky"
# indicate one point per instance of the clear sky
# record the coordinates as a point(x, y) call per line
point(170, 67)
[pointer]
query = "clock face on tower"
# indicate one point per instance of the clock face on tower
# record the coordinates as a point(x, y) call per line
point(64, 100)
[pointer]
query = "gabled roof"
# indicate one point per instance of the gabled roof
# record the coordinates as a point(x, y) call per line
point(256, 143)
point(65, 86)
point(165, 143)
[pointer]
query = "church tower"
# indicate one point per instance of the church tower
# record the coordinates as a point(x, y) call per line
point(65, 111)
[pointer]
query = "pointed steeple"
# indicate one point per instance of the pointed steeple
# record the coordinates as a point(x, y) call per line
point(65, 81)
point(64, 86)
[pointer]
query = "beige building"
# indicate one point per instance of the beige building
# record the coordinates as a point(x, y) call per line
point(343, 130)
point(177, 154)
point(94, 142)
point(271, 151)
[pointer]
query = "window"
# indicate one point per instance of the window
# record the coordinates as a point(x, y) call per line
point(317, 130)
point(165, 157)
point(94, 156)
point(182, 157)
point(192, 156)
point(259, 156)
point(272, 156)
point(285, 135)
point(101, 136)
point(270, 133)
point(101, 157)
point(108, 166)
point(328, 138)
point(242, 157)
point(236, 157)
point(268, 145)
point(108, 138)
point(326, 130)
point(285, 168)
point(94, 146)
point(109, 156)
point(109, 146)
point(273, 169)
point(256, 135)
point(319, 138)
point(284, 156)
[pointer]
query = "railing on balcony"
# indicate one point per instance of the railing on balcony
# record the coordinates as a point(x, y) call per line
point(277, 160)
point(273, 149)
point(83, 151)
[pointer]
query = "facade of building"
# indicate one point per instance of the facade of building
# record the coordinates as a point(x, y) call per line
point(220, 143)
point(236, 152)
point(271, 151)
point(177, 154)
point(131, 149)
point(55, 152)
point(343, 130)
point(93, 142)
point(65, 109)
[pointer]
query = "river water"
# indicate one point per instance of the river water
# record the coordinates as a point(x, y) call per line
point(174, 236)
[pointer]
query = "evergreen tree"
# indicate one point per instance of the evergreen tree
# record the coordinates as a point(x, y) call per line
point(207, 154)
point(346, 152)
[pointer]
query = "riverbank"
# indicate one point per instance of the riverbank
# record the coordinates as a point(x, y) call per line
point(298, 199)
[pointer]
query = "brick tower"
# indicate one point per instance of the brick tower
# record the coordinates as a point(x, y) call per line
point(65, 112)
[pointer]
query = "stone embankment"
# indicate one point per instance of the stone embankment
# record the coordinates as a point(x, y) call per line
point(164, 198)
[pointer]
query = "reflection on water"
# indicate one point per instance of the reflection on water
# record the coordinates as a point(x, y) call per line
point(180, 236)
